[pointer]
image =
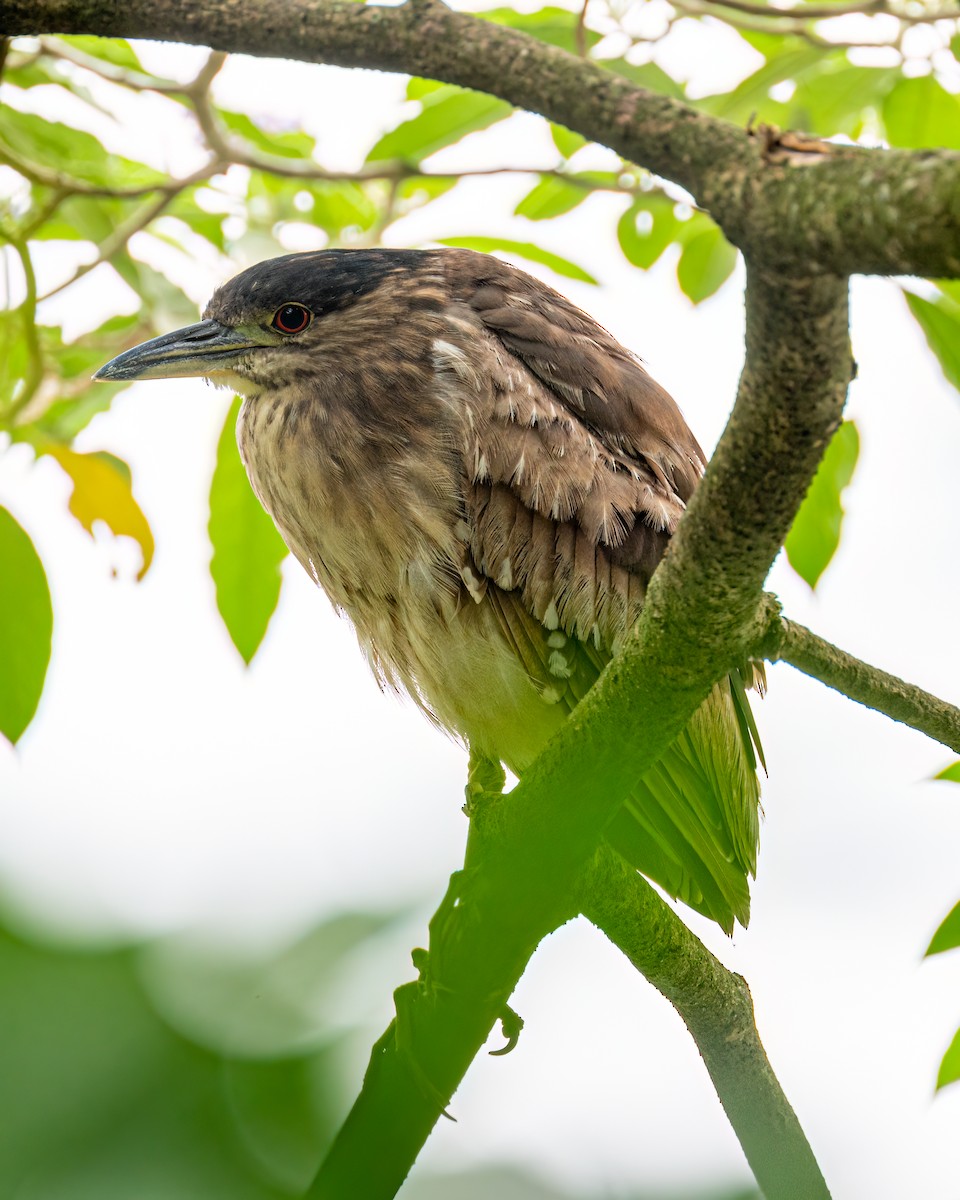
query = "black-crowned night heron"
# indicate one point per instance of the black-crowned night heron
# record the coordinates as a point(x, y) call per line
point(483, 480)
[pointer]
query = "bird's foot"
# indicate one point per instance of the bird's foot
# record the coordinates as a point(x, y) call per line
point(412, 999)
point(407, 999)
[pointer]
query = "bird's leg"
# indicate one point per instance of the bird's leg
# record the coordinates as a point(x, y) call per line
point(485, 780)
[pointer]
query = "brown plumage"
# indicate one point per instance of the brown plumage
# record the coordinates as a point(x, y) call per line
point(483, 480)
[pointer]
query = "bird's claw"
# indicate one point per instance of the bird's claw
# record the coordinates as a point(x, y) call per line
point(512, 1024)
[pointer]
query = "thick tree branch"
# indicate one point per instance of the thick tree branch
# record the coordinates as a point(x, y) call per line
point(716, 1007)
point(830, 208)
point(868, 685)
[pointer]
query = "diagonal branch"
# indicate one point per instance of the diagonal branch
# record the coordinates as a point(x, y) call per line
point(899, 700)
point(891, 212)
point(716, 1007)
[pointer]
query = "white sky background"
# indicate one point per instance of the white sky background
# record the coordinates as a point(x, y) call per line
point(163, 786)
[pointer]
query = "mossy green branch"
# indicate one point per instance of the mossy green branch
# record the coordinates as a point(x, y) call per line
point(901, 701)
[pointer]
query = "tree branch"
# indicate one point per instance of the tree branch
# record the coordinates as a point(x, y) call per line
point(897, 699)
point(717, 1008)
point(890, 212)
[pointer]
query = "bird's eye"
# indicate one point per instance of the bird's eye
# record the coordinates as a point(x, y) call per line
point(291, 318)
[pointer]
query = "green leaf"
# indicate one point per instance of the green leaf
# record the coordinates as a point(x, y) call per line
point(26, 628)
point(208, 225)
point(340, 206)
point(787, 58)
point(527, 250)
point(102, 492)
point(815, 534)
point(447, 115)
point(111, 50)
point(839, 100)
point(83, 356)
point(647, 228)
point(247, 550)
point(33, 73)
point(291, 144)
point(645, 75)
point(64, 419)
point(940, 321)
point(706, 262)
point(950, 1066)
point(164, 305)
point(14, 355)
point(551, 197)
point(74, 406)
point(421, 189)
point(951, 773)
point(567, 141)
point(72, 152)
point(417, 87)
point(947, 936)
point(920, 112)
point(83, 218)
point(557, 26)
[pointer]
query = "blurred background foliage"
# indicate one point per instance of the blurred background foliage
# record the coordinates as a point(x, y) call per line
point(183, 1069)
point(171, 1069)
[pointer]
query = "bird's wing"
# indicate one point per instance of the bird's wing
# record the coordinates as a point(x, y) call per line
point(579, 465)
point(578, 469)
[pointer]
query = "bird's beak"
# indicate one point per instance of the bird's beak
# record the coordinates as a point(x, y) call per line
point(200, 349)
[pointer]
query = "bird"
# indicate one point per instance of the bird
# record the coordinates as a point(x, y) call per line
point(483, 480)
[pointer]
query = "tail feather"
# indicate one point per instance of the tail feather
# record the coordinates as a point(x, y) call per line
point(693, 822)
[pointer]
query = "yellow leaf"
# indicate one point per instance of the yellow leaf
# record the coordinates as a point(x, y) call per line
point(102, 492)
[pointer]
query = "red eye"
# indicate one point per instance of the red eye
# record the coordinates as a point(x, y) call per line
point(291, 318)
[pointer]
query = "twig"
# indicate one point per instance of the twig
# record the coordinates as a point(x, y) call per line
point(124, 232)
point(796, 28)
point(870, 8)
point(43, 212)
point(122, 76)
point(807, 12)
point(580, 30)
point(80, 187)
point(867, 685)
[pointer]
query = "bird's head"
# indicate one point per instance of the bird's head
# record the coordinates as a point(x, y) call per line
point(266, 325)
